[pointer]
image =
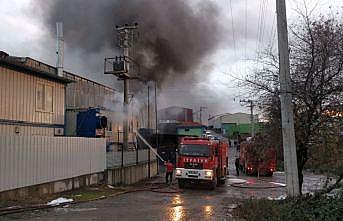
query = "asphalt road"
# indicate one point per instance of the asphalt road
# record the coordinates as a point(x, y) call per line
point(186, 204)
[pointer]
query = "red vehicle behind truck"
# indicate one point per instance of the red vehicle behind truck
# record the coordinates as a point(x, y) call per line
point(201, 160)
point(255, 160)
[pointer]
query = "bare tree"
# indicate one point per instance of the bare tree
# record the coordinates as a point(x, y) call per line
point(316, 59)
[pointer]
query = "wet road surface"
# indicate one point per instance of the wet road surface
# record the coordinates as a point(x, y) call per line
point(189, 204)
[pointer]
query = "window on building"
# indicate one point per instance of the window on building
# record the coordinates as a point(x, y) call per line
point(44, 97)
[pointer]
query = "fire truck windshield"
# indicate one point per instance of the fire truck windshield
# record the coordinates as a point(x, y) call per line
point(194, 150)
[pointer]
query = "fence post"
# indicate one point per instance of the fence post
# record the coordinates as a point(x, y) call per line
point(137, 154)
point(148, 162)
point(122, 165)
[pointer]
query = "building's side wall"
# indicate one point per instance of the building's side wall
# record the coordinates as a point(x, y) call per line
point(18, 100)
point(82, 94)
point(231, 129)
point(238, 118)
point(16, 129)
point(228, 129)
point(32, 160)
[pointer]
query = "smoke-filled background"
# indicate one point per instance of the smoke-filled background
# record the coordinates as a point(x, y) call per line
point(196, 49)
point(172, 38)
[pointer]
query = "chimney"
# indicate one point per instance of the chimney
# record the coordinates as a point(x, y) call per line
point(60, 49)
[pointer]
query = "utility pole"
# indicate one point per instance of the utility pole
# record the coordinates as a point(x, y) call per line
point(60, 49)
point(156, 125)
point(149, 106)
point(252, 120)
point(120, 67)
point(149, 172)
point(288, 134)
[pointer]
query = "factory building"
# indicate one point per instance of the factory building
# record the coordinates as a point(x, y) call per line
point(32, 98)
point(232, 125)
point(36, 101)
point(175, 114)
point(84, 96)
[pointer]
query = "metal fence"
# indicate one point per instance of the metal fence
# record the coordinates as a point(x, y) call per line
point(26, 161)
point(128, 157)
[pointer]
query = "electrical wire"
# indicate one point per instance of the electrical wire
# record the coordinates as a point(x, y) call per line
point(233, 27)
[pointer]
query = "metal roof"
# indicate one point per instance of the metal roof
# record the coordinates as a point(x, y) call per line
point(34, 67)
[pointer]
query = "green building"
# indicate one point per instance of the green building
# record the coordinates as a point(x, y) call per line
point(231, 129)
point(190, 129)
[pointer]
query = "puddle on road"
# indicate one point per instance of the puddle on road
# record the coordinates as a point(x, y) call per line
point(208, 210)
point(176, 213)
point(235, 181)
point(177, 200)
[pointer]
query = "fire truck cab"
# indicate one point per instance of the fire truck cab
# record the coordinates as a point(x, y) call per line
point(201, 160)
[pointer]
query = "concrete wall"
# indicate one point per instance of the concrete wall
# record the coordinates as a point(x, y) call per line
point(118, 176)
point(53, 187)
point(131, 174)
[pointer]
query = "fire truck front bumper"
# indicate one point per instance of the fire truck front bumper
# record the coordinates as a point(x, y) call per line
point(181, 173)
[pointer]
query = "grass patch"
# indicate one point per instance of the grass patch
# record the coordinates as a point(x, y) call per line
point(86, 194)
point(83, 194)
point(301, 209)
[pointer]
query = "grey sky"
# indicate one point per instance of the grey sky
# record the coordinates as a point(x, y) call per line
point(213, 83)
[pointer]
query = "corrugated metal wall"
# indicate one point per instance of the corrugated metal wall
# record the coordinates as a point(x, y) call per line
point(26, 161)
point(83, 93)
point(16, 130)
point(18, 98)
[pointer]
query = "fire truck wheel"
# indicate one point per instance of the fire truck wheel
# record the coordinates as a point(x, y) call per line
point(269, 174)
point(213, 184)
point(222, 180)
point(181, 183)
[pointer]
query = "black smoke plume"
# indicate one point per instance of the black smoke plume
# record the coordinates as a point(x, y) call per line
point(174, 36)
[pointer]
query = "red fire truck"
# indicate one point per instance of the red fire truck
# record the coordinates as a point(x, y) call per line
point(201, 160)
point(255, 160)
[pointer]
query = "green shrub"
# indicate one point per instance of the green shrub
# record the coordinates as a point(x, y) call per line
point(300, 209)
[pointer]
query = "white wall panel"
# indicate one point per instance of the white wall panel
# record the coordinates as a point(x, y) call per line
point(17, 98)
point(9, 130)
point(26, 161)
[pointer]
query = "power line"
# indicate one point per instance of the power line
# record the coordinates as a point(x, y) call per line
point(233, 27)
point(262, 26)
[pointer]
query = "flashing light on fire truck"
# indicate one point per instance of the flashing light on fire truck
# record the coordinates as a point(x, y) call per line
point(178, 172)
point(209, 173)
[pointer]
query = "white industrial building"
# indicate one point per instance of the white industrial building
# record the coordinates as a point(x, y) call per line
point(32, 97)
point(216, 121)
point(36, 101)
